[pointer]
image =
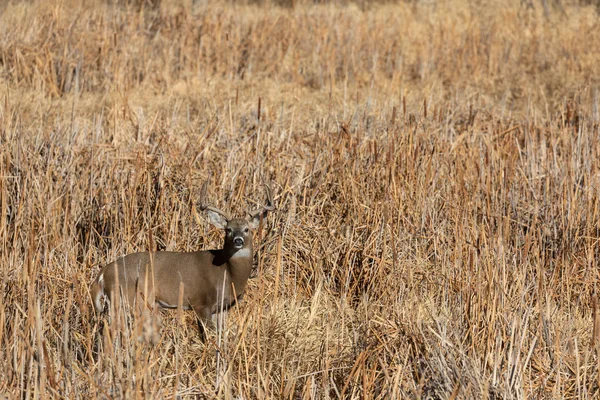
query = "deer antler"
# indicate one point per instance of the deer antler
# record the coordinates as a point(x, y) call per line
point(205, 207)
point(267, 207)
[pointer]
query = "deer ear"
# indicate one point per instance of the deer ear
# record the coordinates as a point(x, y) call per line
point(255, 219)
point(216, 219)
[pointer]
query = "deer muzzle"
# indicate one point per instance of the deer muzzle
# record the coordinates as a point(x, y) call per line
point(238, 242)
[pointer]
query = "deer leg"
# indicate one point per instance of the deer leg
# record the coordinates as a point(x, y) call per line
point(204, 316)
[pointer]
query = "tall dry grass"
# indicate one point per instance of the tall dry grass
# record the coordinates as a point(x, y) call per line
point(436, 171)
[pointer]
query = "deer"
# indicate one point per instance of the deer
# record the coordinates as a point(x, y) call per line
point(205, 281)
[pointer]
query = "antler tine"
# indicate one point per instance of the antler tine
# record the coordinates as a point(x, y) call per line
point(268, 206)
point(204, 205)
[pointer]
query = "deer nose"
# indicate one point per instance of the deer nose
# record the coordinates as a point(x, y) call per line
point(238, 242)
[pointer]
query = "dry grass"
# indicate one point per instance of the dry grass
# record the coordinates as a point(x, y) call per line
point(436, 170)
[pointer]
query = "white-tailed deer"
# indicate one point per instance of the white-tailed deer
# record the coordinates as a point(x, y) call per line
point(210, 280)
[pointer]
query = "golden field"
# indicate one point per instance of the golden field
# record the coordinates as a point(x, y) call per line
point(435, 167)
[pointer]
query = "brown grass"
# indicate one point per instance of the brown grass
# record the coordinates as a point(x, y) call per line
point(436, 171)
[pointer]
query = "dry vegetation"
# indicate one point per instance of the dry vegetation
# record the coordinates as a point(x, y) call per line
point(436, 172)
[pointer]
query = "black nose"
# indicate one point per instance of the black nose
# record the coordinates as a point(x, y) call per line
point(238, 241)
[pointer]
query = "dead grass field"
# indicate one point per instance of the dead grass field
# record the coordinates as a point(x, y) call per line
point(435, 165)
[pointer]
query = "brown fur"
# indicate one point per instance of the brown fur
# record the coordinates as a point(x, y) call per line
point(213, 280)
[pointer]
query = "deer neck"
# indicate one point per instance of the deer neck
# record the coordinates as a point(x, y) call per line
point(240, 265)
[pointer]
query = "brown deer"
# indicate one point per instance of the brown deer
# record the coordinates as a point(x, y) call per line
point(206, 281)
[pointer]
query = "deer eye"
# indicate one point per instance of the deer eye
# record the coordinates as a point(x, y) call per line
point(246, 230)
point(229, 231)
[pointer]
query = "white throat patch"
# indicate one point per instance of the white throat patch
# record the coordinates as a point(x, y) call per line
point(245, 252)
